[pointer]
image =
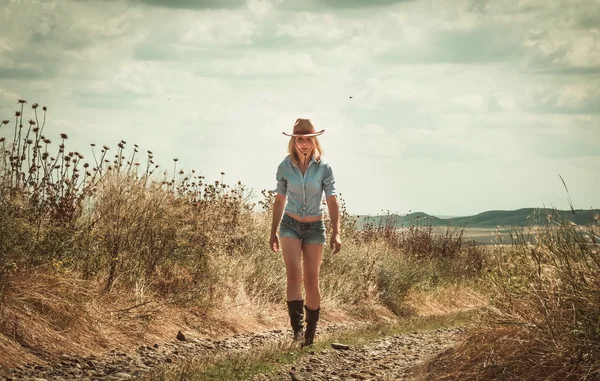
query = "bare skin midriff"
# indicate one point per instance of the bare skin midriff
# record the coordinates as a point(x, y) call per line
point(298, 217)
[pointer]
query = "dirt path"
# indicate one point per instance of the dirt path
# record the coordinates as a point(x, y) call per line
point(388, 358)
point(138, 364)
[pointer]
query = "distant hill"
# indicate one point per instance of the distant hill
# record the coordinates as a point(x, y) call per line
point(492, 218)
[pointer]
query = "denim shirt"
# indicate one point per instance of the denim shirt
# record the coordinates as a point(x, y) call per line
point(304, 192)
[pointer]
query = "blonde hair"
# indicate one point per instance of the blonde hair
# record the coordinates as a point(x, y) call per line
point(317, 151)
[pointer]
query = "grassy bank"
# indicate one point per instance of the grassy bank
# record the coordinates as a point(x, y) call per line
point(543, 320)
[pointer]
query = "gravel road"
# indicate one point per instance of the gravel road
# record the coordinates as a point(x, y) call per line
point(387, 358)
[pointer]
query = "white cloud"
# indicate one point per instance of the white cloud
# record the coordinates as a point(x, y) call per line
point(228, 27)
point(501, 101)
point(7, 98)
point(131, 80)
point(373, 129)
point(472, 102)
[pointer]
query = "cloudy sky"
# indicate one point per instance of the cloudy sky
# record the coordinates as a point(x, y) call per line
point(457, 107)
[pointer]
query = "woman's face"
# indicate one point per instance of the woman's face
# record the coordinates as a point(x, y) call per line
point(304, 144)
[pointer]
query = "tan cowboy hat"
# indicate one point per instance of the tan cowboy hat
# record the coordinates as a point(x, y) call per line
point(303, 127)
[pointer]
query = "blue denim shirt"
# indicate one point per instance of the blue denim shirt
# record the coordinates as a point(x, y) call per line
point(304, 192)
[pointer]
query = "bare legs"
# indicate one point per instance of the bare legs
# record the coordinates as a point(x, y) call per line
point(301, 259)
point(312, 256)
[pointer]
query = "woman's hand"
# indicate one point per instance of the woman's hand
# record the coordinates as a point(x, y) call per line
point(274, 243)
point(336, 243)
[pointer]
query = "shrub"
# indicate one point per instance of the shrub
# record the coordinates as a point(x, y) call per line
point(545, 303)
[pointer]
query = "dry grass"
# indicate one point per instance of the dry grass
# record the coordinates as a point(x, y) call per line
point(543, 319)
point(447, 299)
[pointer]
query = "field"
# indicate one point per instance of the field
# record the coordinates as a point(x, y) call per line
point(487, 236)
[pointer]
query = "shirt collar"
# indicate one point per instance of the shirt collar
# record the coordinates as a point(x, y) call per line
point(312, 160)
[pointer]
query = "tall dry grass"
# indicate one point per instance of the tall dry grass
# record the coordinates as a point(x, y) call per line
point(543, 322)
point(115, 225)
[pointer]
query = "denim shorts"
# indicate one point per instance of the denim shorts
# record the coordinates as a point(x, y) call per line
point(307, 232)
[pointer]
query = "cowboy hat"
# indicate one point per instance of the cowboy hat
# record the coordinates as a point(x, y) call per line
point(303, 127)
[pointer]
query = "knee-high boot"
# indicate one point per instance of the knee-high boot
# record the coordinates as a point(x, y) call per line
point(312, 317)
point(296, 314)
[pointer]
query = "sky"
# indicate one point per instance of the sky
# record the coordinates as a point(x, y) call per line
point(458, 107)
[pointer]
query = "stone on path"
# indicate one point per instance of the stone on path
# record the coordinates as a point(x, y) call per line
point(339, 346)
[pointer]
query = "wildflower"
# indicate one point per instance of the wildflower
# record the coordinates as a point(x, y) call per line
point(93, 144)
point(105, 148)
point(120, 145)
point(85, 165)
point(17, 113)
point(2, 139)
point(44, 108)
point(29, 141)
point(22, 101)
point(5, 122)
point(62, 147)
point(123, 142)
point(175, 160)
point(222, 173)
point(63, 136)
point(34, 106)
point(47, 141)
point(36, 130)
point(149, 152)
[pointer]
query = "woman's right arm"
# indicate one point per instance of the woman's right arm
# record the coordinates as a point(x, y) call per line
point(278, 207)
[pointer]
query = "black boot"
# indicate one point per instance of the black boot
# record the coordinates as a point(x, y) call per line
point(296, 317)
point(312, 317)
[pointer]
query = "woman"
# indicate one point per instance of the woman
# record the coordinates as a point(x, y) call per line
point(302, 178)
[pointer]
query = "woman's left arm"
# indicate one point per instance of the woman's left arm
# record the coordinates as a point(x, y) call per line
point(334, 213)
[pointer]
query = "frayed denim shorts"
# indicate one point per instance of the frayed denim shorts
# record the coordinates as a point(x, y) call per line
point(307, 232)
